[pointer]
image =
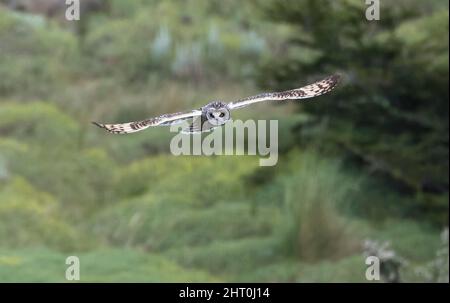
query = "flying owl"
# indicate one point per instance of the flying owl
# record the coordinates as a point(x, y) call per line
point(217, 113)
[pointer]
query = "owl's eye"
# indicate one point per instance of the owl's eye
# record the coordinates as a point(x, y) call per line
point(221, 115)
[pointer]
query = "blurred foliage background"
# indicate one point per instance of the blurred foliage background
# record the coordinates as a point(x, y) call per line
point(368, 161)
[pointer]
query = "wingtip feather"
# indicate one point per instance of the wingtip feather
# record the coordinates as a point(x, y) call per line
point(336, 78)
point(98, 124)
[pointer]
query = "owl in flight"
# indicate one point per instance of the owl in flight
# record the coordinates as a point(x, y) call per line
point(217, 113)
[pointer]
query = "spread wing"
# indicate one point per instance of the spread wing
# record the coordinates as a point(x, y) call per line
point(312, 90)
point(163, 120)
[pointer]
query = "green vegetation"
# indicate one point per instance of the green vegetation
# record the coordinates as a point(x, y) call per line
point(369, 161)
point(392, 111)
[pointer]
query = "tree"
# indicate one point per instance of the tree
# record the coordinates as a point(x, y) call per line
point(392, 111)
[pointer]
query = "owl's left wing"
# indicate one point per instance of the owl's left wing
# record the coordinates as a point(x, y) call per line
point(163, 120)
point(309, 91)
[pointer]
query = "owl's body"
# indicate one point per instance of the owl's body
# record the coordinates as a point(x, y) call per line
point(214, 114)
point(217, 113)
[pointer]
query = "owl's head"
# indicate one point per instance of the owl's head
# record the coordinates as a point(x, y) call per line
point(217, 113)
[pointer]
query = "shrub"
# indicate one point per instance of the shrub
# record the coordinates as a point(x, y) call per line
point(38, 123)
point(108, 47)
point(82, 180)
point(228, 257)
point(40, 59)
point(391, 111)
point(159, 223)
point(204, 180)
point(50, 158)
point(313, 228)
point(166, 43)
point(29, 217)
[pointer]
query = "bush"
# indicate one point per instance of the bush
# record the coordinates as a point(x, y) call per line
point(40, 59)
point(173, 40)
point(405, 234)
point(82, 180)
point(50, 157)
point(228, 257)
point(313, 228)
point(159, 223)
point(29, 217)
point(38, 123)
point(204, 180)
point(108, 47)
point(391, 111)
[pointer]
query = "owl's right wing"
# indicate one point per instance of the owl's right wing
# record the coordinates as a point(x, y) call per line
point(163, 120)
point(309, 91)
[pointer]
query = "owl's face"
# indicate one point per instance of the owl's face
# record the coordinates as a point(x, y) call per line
point(217, 113)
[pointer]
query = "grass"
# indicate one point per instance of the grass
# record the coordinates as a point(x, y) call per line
point(250, 259)
point(119, 265)
point(134, 213)
point(314, 229)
